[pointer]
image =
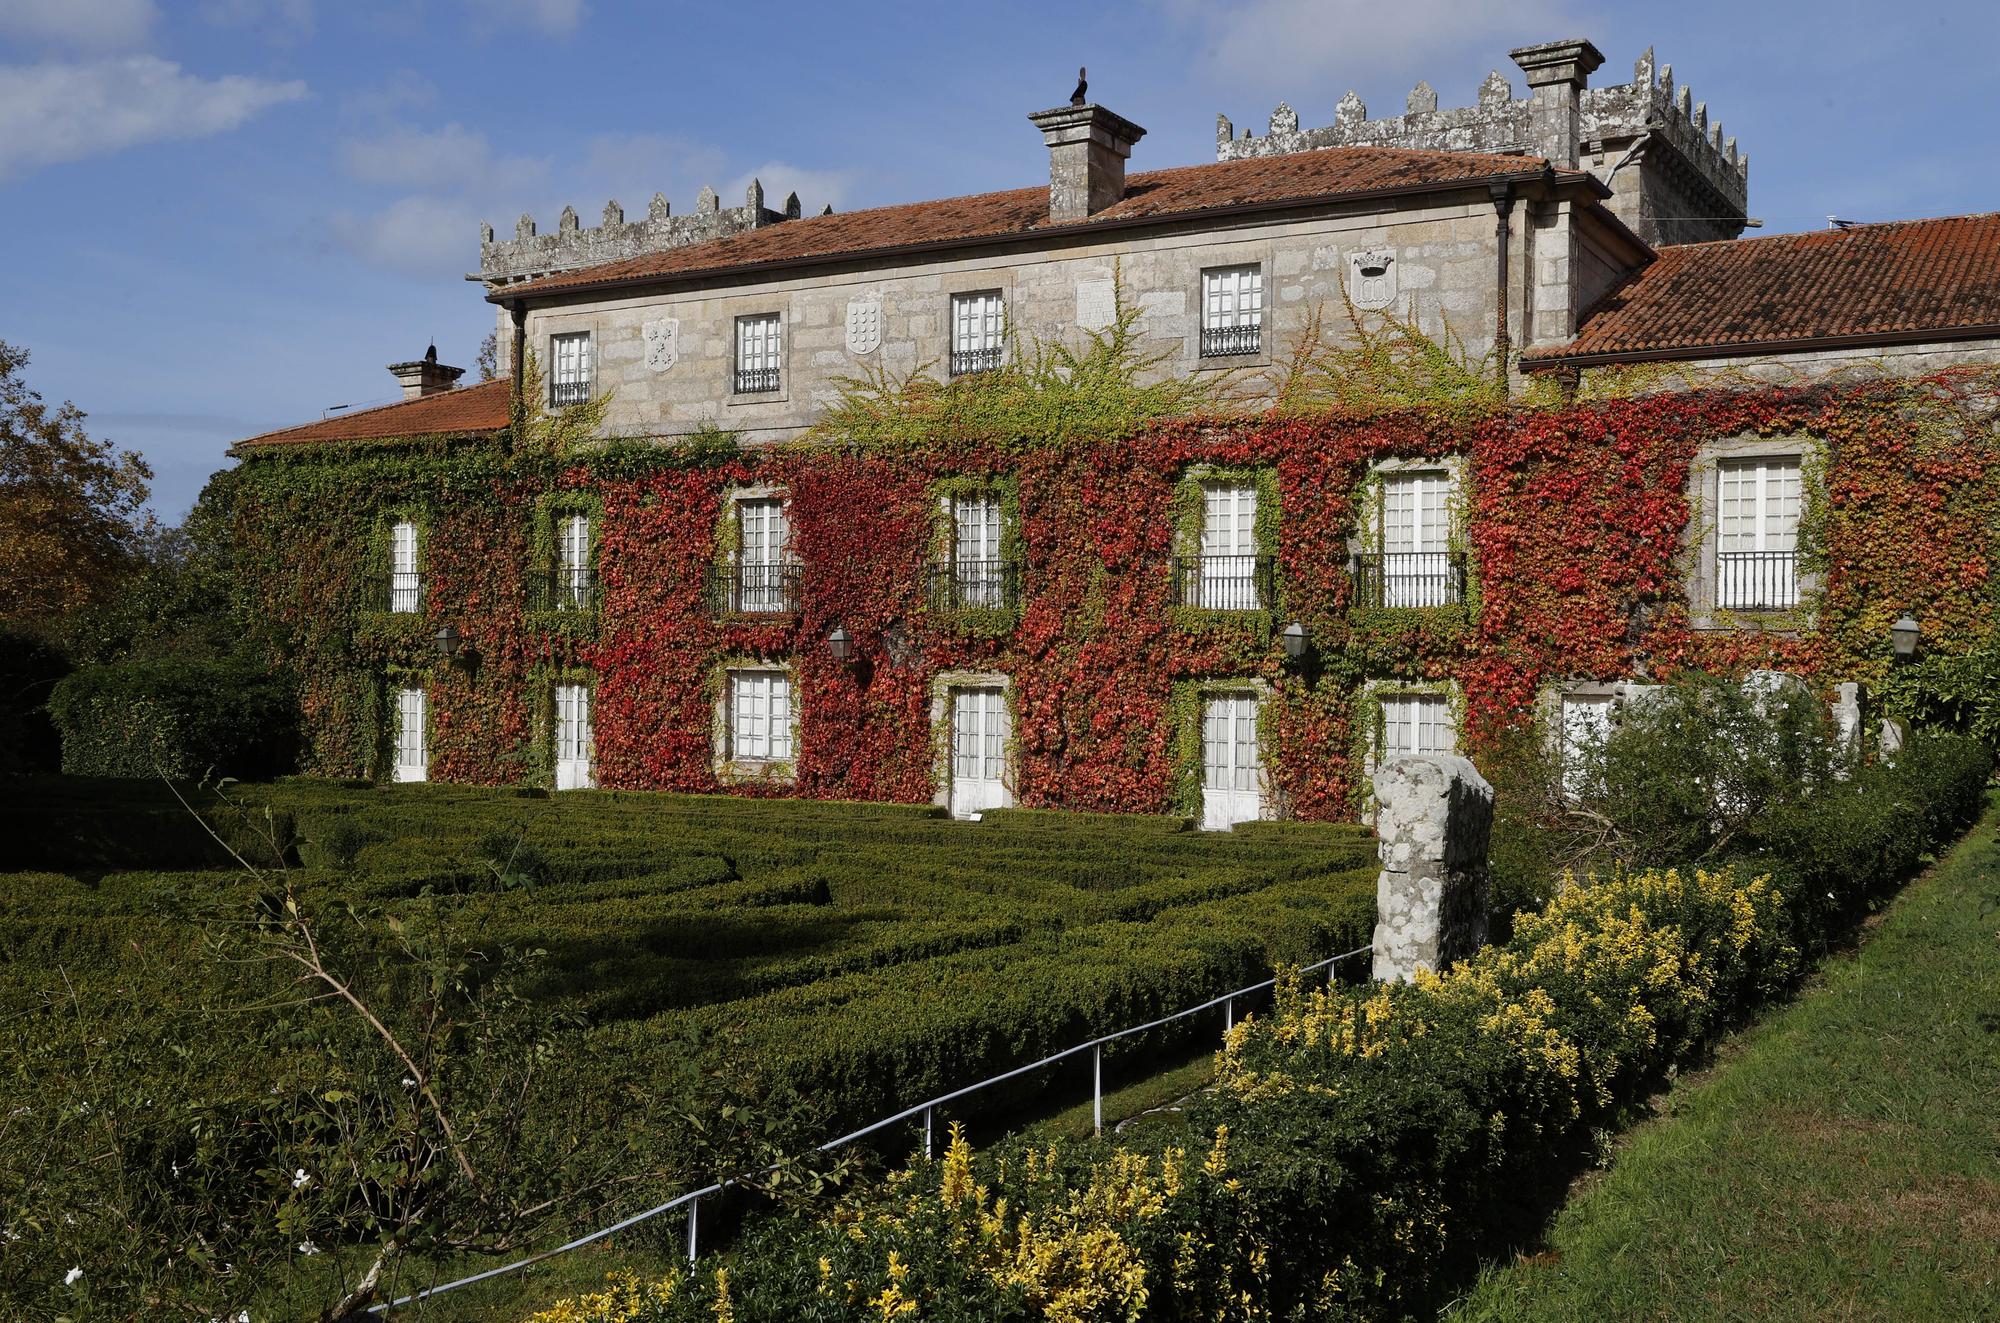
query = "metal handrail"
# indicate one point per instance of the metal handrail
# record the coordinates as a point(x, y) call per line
point(1239, 340)
point(958, 584)
point(1224, 583)
point(1408, 578)
point(1756, 580)
point(691, 1199)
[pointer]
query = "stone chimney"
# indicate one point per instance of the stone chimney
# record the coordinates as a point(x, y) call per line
point(1088, 146)
point(1557, 73)
point(425, 376)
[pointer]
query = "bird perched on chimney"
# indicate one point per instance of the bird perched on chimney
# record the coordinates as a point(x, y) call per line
point(1082, 85)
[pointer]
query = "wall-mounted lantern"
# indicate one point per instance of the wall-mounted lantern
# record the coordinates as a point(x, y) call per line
point(448, 640)
point(841, 644)
point(1295, 639)
point(1903, 636)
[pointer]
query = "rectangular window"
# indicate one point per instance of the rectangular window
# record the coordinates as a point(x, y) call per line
point(1416, 724)
point(1415, 566)
point(978, 574)
point(406, 581)
point(1229, 574)
point(757, 354)
point(569, 369)
point(575, 590)
point(1757, 533)
point(575, 749)
point(1232, 311)
point(1229, 755)
point(760, 716)
point(978, 332)
point(763, 555)
point(1586, 723)
point(412, 747)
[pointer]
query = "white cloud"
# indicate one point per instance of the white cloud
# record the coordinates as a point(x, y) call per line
point(1307, 44)
point(98, 25)
point(450, 159)
point(65, 112)
point(420, 236)
point(399, 91)
point(555, 17)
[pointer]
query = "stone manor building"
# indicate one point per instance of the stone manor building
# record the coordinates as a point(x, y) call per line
point(1555, 227)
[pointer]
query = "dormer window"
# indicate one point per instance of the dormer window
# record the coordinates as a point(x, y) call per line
point(1232, 312)
point(757, 354)
point(978, 328)
point(569, 369)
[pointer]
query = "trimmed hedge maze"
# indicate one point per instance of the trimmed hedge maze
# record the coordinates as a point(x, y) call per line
point(867, 955)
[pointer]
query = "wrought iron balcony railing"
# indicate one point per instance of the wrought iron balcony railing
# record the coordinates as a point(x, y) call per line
point(568, 588)
point(754, 588)
point(755, 381)
point(568, 392)
point(965, 362)
point(403, 593)
point(1756, 580)
point(1232, 341)
point(1223, 583)
point(957, 585)
point(1409, 578)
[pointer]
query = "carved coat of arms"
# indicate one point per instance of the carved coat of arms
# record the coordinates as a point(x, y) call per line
point(663, 343)
point(864, 325)
point(1372, 278)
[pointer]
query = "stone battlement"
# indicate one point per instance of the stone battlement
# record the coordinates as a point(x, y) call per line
point(1713, 176)
point(530, 254)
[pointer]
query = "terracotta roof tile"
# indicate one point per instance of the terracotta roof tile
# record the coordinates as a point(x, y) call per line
point(470, 410)
point(1897, 281)
point(1327, 173)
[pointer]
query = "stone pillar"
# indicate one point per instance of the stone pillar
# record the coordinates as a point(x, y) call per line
point(1433, 820)
point(1847, 718)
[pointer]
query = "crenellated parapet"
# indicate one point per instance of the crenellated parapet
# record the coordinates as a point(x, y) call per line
point(1702, 182)
point(530, 253)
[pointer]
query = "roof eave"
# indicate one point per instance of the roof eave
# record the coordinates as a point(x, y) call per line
point(506, 295)
point(1550, 361)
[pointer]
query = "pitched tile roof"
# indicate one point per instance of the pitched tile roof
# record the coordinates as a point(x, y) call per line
point(1326, 174)
point(1899, 281)
point(471, 410)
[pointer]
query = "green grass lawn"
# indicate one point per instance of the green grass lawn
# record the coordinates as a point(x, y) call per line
point(1840, 1161)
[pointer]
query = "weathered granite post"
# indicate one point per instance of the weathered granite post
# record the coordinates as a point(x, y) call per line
point(1433, 820)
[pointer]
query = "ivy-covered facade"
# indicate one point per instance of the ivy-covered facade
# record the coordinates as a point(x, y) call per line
point(1580, 530)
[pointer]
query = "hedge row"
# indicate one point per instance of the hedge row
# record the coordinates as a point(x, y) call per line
point(1363, 1148)
point(175, 717)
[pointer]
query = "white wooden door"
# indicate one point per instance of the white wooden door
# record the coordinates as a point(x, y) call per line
point(1586, 724)
point(573, 738)
point(1232, 772)
point(412, 747)
point(980, 730)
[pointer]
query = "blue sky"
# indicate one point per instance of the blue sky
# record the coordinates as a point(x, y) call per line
point(223, 216)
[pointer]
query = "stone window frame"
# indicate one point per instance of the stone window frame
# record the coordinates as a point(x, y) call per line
point(1366, 535)
point(1702, 535)
point(1371, 693)
point(996, 280)
point(1260, 253)
point(941, 752)
point(1272, 803)
point(593, 351)
point(737, 311)
point(1549, 709)
point(730, 769)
